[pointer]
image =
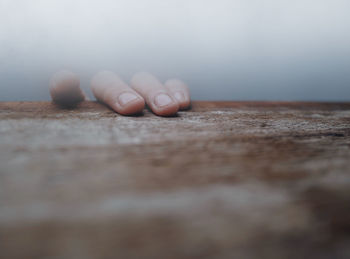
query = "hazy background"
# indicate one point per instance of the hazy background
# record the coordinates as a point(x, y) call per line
point(224, 49)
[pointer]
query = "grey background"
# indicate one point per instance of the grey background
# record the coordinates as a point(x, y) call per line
point(224, 49)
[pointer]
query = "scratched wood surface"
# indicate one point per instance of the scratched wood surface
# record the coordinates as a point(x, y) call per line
point(222, 180)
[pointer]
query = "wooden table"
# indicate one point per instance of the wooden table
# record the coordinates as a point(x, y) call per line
point(222, 180)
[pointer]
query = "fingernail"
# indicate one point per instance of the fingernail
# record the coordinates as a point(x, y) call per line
point(179, 96)
point(162, 100)
point(125, 98)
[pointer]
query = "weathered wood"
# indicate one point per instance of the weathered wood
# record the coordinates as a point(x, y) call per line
point(222, 180)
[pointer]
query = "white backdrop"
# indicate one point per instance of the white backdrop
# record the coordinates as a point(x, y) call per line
point(224, 49)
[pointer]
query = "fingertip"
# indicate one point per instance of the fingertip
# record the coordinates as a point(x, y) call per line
point(110, 89)
point(65, 88)
point(128, 103)
point(157, 97)
point(164, 104)
point(182, 99)
point(180, 92)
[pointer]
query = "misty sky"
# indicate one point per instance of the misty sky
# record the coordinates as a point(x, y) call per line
point(224, 49)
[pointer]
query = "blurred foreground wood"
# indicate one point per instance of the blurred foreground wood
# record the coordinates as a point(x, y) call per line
point(223, 180)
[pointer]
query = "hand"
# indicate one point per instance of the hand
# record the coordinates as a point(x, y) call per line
point(108, 88)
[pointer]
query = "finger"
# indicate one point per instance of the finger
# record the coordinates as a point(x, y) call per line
point(65, 88)
point(180, 91)
point(157, 97)
point(111, 90)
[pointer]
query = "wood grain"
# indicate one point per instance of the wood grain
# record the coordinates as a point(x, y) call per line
point(222, 180)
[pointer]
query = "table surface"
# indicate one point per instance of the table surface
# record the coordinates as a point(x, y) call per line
point(222, 180)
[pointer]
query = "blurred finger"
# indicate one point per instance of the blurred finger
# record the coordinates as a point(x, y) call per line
point(180, 91)
point(114, 92)
point(157, 97)
point(65, 88)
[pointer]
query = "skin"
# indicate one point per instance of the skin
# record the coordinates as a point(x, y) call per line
point(65, 89)
point(163, 99)
point(158, 98)
point(180, 91)
point(114, 92)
